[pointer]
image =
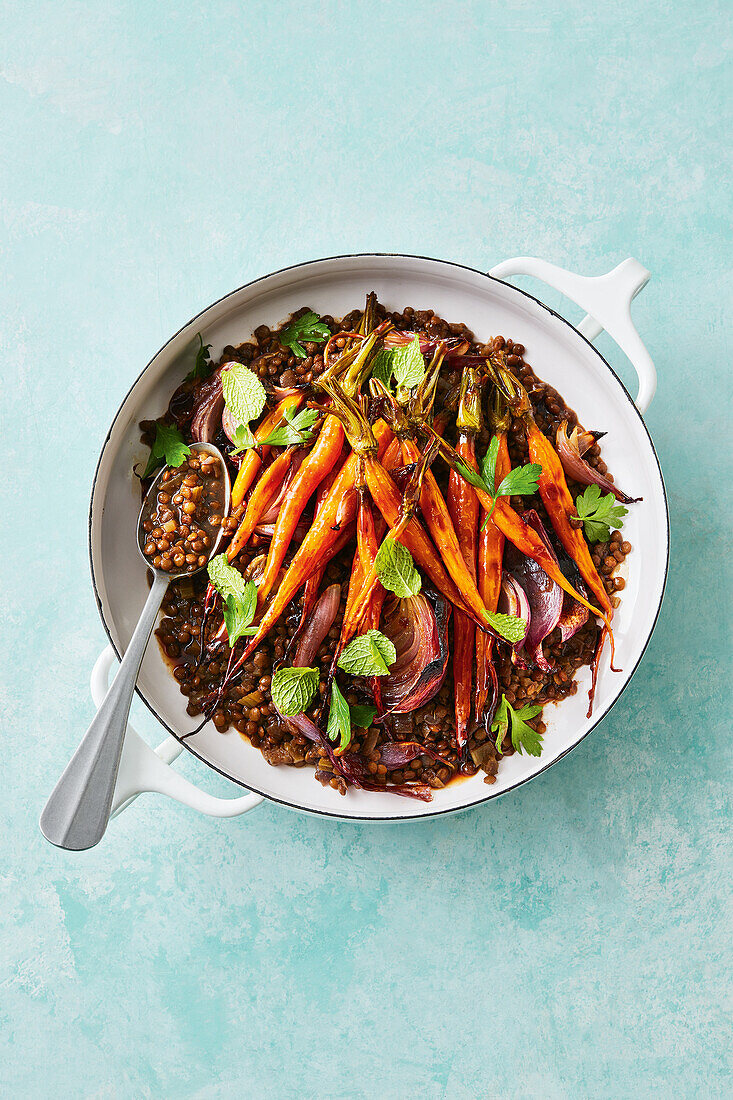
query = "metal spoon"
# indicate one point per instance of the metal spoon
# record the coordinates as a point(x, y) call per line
point(76, 814)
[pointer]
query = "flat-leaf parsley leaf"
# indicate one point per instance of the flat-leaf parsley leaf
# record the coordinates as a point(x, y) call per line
point(308, 329)
point(169, 448)
point(524, 738)
point(599, 513)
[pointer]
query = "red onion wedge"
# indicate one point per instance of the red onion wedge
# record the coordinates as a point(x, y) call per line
point(573, 615)
point(513, 601)
point(354, 770)
point(208, 409)
point(545, 597)
point(571, 449)
point(301, 723)
point(395, 754)
point(418, 627)
point(267, 530)
point(229, 424)
point(317, 627)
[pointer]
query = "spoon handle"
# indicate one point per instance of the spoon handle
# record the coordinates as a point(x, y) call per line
point(76, 814)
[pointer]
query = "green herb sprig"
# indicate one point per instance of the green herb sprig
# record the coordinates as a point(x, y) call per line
point(404, 363)
point(599, 513)
point(295, 430)
point(201, 366)
point(169, 448)
point(362, 716)
point(293, 689)
point(521, 481)
point(308, 329)
point(239, 598)
point(524, 738)
point(339, 720)
point(369, 654)
point(396, 569)
point(244, 394)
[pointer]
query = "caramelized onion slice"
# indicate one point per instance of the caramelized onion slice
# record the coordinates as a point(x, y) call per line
point(418, 628)
point(208, 409)
point(545, 597)
point(513, 601)
point(317, 626)
point(571, 448)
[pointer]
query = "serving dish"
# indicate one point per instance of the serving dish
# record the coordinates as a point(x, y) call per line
point(561, 354)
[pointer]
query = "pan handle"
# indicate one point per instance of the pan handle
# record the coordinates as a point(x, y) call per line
point(607, 301)
point(142, 769)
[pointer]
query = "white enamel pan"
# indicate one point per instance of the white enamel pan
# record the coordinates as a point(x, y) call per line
point(560, 354)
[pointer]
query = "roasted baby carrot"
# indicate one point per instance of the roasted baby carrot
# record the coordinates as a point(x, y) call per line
point(490, 559)
point(553, 485)
point(319, 462)
point(338, 511)
point(255, 456)
point(518, 532)
point(262, 497)
point(464, 510)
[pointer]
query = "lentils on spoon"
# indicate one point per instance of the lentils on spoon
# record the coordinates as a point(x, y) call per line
point(185, 515)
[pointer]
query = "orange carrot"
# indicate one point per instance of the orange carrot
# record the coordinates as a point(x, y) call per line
point(319, 462)
point(490, 557)
point(464, 511)
point(253, 460)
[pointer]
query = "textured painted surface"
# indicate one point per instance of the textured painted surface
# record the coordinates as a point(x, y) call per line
point(569, 940)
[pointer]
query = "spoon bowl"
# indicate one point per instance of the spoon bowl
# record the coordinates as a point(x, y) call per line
point(76, 815)
point(147, 507)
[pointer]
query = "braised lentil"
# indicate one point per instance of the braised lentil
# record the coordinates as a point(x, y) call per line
point(183, 515)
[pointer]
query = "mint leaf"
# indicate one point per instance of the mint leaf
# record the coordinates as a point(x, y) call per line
point(520, 482)
point(362, 716)
point(510, 627)
point(307, 329)
point(201, 366)
point(599, 513)
point(524, 738)
point(168, 448)
point(297, 429)
point(238, 615)
point(408, 365)
point(369, 654)
point(227, 580)
point(244, 394)
point(293, 689)
point(396, 569)
point(382, 366)
point(339, 719)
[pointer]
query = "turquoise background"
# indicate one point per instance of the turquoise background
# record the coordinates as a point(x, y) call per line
point(569, 940)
